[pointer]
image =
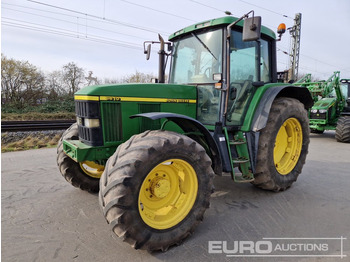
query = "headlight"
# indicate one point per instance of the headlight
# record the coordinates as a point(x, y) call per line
point(322, 111)
point(314, 111)
point(90, 123)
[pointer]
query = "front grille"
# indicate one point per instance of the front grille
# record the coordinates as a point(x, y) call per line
point(318, 116)
point(112, 122)
point(91, 136)
point(91, 110)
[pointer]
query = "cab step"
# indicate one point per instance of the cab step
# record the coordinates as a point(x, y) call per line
point(240, 143)
point(240, 160)
point(240, 178)
point(237, 142)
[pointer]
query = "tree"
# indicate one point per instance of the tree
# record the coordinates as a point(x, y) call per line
point(10, 79)
point(21, 82)
point(136, 77)
point(73, 77)
point(55, 85)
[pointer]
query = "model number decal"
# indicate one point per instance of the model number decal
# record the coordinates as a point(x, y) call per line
point(178, 101)
point(147, 99)
point(111, 98)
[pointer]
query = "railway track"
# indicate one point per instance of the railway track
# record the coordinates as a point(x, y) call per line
point(15, 126)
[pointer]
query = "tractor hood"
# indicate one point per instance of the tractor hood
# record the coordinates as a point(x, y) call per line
point(324, 103)
point(125, 92)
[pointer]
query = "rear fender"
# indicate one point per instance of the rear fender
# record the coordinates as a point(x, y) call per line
point(263, 110)
point(192, 127)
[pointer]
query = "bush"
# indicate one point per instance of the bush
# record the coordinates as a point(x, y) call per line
point(62, 108)
point(65, 104)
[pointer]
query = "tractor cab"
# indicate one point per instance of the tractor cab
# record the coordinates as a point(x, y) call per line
point(227, 59)
point(224, 65)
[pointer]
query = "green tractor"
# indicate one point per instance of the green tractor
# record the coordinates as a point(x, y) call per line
point(152, 150)
point(331, 110)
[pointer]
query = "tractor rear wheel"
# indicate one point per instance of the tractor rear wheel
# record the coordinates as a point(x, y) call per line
point(283, 145)
point(156, 188)
point(342, 131)
point(84, 175)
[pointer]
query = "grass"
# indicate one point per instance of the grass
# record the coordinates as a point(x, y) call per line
point(31, 142)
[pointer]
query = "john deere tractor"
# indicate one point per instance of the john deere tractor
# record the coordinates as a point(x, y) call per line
point(331, 110)
point(152, 150)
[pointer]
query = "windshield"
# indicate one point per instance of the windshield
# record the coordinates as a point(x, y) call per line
point(196, 58)
point(344, 90)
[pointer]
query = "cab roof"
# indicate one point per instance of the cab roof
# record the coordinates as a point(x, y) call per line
point(217, 22)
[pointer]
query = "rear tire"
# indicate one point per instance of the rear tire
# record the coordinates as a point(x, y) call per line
point(76, 173)
point(342, 131)
point(156, 188)
point(282, 145)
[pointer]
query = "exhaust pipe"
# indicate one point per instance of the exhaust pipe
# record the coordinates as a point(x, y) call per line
point(161, 71)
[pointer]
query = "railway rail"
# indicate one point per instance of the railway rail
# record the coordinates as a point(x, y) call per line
point(16, 126)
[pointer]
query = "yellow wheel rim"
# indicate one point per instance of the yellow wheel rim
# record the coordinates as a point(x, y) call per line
point(92, 169)
point(288, 145)
point(168, 194)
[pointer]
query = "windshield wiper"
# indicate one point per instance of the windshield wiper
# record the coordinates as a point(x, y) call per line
point(204, 45)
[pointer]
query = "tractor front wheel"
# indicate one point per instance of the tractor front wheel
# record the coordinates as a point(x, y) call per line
point(84, 175)
point(156, 188)
point(283, 145)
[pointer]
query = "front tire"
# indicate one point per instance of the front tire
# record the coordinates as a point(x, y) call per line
point(84, 175)
point(156, 188)
point(342, 131)
point(283, 145)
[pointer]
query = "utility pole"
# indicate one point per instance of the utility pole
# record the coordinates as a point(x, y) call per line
point(294, 56)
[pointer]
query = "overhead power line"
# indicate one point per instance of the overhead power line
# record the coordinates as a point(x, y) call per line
point(315, 59)
point(67, 15)
point(156, 10)
point(75, 23)
point(220, 10)
point(211, 7)
point(68, 33)
point(99, 17)
point(264, 8)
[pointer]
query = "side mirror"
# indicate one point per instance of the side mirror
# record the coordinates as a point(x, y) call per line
point(217, 77)
point(148, 51)
point(251, 29)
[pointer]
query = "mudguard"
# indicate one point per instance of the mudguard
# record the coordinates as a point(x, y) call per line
point(193, 127)
point(263, 110)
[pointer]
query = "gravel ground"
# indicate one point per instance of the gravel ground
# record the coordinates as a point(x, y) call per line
point(9, 137)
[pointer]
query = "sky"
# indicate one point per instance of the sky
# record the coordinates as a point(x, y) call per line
point(106, 36)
